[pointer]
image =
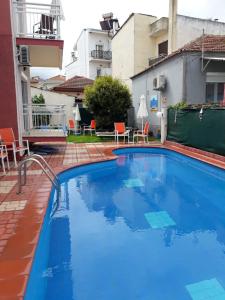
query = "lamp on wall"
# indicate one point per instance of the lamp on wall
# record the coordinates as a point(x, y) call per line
point(159, 114)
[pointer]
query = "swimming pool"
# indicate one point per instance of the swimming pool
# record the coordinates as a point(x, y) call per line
point(149, 225)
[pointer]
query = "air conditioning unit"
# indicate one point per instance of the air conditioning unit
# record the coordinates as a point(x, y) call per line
point(159, 83)
point(24, 57)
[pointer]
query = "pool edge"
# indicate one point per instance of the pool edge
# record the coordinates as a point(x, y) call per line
point(17, 281)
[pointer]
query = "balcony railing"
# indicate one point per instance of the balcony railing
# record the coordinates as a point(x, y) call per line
point(37, 20)
point(48, 119)
point(100, 54)
point(154, 60)
point(159, 27)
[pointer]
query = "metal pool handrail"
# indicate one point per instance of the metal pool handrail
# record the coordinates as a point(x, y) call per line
point(44, 166)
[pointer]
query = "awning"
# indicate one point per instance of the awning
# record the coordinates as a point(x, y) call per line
point(214, 58)
point(207, 59)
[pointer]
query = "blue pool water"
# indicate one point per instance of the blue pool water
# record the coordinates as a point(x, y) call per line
point(147, 226)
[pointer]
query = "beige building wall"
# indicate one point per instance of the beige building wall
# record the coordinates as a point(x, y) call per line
point(143, 47)
point(123, 53)
point(130, 47)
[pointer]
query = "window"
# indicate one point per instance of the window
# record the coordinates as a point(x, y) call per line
point(99, 48)
point(99, 72)
point(99, 51)
point(163, 48)
point(214, 92)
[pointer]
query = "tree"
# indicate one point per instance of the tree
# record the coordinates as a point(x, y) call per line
point(108, 99)
point(38, 99)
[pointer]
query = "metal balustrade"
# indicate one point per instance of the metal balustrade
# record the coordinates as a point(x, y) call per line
point(100, 54)
point(44, 119)
point(37, 20)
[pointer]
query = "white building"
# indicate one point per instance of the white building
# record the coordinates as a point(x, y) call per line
point(92, 55)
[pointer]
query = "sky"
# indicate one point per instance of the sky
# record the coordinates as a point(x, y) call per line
point(87, 14)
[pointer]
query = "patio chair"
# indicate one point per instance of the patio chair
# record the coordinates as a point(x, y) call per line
point(3, 156)
point(120, 130)
point(91, 128)
point(45, 26)
point(8, 139)
point(73, 127)
point(143, 134)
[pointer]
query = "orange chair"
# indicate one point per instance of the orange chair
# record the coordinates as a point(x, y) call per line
point(91, 127)
point(143, 134)
point(8, 139)
point(120, 130)
point(73, 126)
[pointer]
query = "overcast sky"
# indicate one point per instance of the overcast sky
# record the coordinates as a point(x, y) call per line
point(87, 14)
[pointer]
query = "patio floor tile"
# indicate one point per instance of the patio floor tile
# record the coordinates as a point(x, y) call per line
point(12, 205)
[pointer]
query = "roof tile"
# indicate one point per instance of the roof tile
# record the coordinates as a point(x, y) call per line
point(74, 84)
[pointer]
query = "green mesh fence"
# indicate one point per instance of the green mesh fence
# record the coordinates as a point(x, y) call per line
point(186, 127)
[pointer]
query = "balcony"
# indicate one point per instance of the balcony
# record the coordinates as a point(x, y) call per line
point(159, 27)
point(44, 121)
point(38, 27)
point(154, 60)
point(101, 55)
point(37, 20)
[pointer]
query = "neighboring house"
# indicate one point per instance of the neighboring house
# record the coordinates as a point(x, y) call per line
point(54, 98)
point(92, 55)
point(36, 81)
point(50, 83)
point(194, 73)
point(25, 42)
point(131, 47)
point(144, 39)
point(74, 87)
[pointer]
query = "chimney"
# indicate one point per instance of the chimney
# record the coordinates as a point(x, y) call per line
point(172, 26)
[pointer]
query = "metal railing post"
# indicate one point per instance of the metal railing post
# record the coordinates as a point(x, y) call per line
point(35, 158)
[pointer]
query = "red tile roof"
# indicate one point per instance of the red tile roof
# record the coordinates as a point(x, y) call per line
point(207, 43)
point(58, 78)
point(74, 84)
point(210, 43)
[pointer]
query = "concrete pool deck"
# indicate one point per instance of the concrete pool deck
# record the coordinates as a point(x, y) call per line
point(21, 216)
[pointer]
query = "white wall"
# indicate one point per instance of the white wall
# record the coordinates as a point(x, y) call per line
point(98, 38)
point(193, 28)
point(85, 65)
point(53, 98)
point(79, 67)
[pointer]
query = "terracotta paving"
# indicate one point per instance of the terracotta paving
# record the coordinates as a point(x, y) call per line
point(21, 216)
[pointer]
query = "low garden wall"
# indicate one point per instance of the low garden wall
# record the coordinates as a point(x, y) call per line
point(204, 131)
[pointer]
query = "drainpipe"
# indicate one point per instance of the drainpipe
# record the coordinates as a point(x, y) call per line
point(184, 90)
point(172, 26)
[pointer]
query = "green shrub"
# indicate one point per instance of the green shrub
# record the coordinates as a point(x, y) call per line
point(38, 99)
point(108, 99)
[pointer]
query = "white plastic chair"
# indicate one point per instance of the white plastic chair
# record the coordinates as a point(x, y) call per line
point(3, 156)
